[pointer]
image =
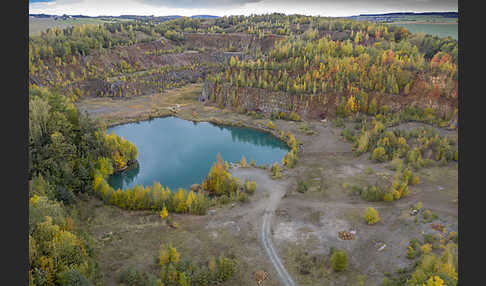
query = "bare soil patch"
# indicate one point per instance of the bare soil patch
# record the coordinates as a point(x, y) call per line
point(304, 226)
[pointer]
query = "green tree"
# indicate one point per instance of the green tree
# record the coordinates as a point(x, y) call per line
point(372, 109)
point(339, 260)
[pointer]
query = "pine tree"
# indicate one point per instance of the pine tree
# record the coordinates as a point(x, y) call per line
point(339, 260)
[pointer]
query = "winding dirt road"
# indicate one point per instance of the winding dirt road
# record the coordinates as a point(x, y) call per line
point(276, 190)
point(272, 254)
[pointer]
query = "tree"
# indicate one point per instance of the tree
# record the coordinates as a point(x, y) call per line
point(371, 216)
point(351, 105)
point(270, 125)
point(164, 213)
point(434, 281)
point(372, 109)
point(339, 260)
point(379, 154)
point(168, 255)
point(243, 162)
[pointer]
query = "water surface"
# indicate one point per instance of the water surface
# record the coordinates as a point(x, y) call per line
point(440, 30)
point(179, 153)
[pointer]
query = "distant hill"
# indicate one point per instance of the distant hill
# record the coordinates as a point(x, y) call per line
point(408, 16)
point(443, 14)
point(133, 17)
point(205, 16)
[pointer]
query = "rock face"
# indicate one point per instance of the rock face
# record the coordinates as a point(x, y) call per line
point(317, 106)
point(258, 99)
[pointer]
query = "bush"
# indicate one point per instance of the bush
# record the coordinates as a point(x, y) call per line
point(339, 260)
point(348, 134)
point(294, 116)
point(301, 186)
point(128, 275)
point(270, 125)
point(250, 187)
point(243, 198)
point(430, 239)
point(379, 155)
point(372, 194)
point(371, 216)
point(64, 195)
point(372, 109)
point(363, 143)
point(388, 197)
point(73, 277)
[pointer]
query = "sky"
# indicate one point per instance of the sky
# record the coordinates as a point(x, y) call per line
point(332, 8)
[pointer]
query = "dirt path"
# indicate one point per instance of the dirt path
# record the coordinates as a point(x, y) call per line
point(272, 254)
point(276, 189)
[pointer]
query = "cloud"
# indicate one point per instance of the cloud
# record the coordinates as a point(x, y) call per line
point(191, 4)
point(237, 7)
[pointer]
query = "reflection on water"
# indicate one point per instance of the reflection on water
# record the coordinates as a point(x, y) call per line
point(241, 134)
point(125, 178)
point(179, 153)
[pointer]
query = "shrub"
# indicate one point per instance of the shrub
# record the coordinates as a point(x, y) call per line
point(379, 155)
point(250, 187)
point(339, 122)
point(435, 281)
point(363, 141)
point(276, 171)
point(372, 194)
point(164, 213)
point(426, 248)
point(270, 125)
point(372, 109)
point(410, 252)
point(73, 277)
point(301, 186)
point(341, 109)
point(339, 260)
point(371, 216)
point(243, 162)
point(129, 276)
point(388, 197)
point(348, 134)
point(294, 116)
point(414, 179)
point(225, 268)
point(64, 195)
point(243, 197)
point(430, 239)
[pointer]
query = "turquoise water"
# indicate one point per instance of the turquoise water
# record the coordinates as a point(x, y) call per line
point(179, 153)
point(440, 30)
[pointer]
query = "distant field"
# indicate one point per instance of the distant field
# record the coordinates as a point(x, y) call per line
point(37, 25)
point(441, 30)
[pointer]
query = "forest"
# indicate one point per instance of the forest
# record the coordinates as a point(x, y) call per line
point(360, 64)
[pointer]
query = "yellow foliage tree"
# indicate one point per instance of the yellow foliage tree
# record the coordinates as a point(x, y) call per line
point(270, 125)
point(351, 105)
point(434, 281)
point(243, 162)
point(371, 216)
point(164, 213)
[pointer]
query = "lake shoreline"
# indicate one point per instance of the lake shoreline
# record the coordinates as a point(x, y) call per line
point(423, 22)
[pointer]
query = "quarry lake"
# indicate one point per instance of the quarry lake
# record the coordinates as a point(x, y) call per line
point(178, 153)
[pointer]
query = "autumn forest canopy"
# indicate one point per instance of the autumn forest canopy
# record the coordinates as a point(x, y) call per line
point(316, 67)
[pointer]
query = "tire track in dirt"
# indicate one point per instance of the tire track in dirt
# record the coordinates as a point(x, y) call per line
point(272, 254)
point(276, 190)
